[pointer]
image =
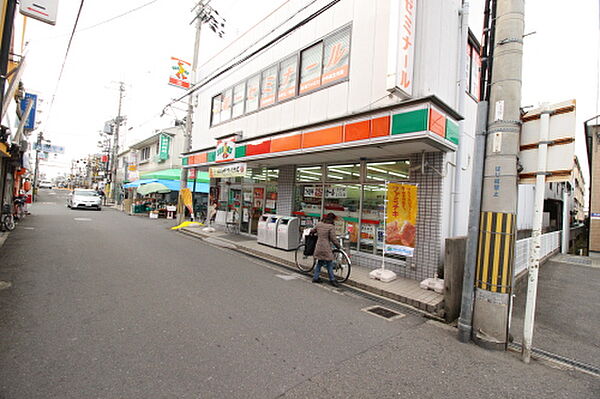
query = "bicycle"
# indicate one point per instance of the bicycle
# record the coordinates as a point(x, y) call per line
point(342, 264)
point(19, 208)
point(7, 219)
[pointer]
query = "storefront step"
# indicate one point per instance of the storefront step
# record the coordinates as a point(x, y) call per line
point(401, 290)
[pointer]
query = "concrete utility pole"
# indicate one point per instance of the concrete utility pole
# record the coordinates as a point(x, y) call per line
point(118, 122)
point(204, 14)
point(40, 138)
point(495, 258)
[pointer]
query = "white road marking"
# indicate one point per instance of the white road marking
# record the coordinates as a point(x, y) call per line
point(83, 219)
point(29, 228)
point(287, 277)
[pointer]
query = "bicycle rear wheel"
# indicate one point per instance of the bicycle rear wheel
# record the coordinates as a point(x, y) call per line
point(304, 263)
point(342, 265)
point(8, 222)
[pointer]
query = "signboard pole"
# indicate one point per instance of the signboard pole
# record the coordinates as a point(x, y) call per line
point(536, 236)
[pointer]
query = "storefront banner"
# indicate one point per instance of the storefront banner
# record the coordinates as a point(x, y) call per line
point(232, 170)
point(225, 151)
point(595, 216)
point(163, 147)
point(401, 219)
point(186, 198)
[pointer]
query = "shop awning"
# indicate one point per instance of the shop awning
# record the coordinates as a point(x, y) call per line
point(174, 174)
point(172, 185)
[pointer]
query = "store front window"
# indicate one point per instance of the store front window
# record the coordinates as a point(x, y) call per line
point(347, 172)
point(387, 171)
point(355, 192)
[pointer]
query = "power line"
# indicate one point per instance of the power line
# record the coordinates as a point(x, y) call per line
point(118, 16)
point(62, 68)
point(215, 74)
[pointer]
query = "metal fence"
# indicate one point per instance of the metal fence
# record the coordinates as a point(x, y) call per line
point(550, 242)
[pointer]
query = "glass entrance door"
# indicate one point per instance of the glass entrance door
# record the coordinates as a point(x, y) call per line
point(246, 209)
point(258, 207)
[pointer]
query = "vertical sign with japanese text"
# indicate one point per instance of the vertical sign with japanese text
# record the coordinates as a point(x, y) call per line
point(402, 46)
point(401, 219)
point(30, 122)
point(163, 147)
point(406, 53)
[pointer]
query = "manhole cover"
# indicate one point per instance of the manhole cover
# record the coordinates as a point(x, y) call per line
point(385, 313)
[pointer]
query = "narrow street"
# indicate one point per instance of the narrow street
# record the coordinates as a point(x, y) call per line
point(105, 305)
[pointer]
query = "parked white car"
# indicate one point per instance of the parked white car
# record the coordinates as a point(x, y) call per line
point(45, 184)
point(84, 198)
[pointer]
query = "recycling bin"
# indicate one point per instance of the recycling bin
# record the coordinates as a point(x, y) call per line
point(288, 233)
point(271, 236)
point(261, 233)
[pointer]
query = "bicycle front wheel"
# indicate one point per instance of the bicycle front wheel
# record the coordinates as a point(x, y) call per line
point(8, 222)
point(342, 265)
point(304, 263)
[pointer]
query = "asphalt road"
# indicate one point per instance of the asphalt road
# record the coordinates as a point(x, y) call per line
point(567, 317)
point(104, 305)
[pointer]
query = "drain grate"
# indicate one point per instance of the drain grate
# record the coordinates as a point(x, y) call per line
point(380, 311)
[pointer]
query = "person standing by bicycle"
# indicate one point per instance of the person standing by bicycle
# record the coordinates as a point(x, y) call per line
point(325, 231)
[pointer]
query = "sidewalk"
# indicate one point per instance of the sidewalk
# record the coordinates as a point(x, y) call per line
point(402, 290)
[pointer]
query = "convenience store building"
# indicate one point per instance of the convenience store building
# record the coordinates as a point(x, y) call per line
point(349, 95)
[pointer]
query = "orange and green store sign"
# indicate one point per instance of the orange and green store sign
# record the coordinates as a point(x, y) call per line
point(340, 166)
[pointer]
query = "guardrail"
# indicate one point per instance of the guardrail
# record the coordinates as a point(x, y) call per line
point(550, 243)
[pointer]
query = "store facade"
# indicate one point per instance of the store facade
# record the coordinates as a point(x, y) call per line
point(322, 120)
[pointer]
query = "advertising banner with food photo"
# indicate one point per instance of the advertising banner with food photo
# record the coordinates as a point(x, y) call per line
point(401, 219)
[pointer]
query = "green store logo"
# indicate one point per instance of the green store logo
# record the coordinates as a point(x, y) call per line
point(225, 151)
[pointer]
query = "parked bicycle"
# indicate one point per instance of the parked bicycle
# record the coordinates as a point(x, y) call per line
point(19, 207)
point(342, 264)
point(7, 219)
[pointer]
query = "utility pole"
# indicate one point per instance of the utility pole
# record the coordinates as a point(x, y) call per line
point(115, 151)
point(495, 258)
point(40, 137)
point(204, 14)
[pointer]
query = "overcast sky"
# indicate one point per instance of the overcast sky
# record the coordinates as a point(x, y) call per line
point(560, 62)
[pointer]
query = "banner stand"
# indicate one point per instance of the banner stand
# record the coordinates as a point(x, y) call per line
point(381, 274)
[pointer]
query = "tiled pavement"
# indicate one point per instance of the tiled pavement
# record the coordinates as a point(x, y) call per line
point(400, 290)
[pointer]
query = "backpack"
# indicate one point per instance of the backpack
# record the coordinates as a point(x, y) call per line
point(310, 242)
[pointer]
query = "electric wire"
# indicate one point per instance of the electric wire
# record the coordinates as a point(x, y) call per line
point(215, 74)
point(62, 68)
point(118, 16)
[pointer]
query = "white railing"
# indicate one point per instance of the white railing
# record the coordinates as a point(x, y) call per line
point(550, 242)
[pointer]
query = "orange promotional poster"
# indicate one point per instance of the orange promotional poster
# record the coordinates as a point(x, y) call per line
point(401, 219)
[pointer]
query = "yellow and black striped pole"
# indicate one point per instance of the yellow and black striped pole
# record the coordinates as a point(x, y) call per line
point(496, 244)
point(495, 252)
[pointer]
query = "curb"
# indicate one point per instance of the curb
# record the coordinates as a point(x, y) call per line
point(420, 307)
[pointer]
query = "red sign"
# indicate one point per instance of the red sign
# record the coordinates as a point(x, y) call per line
point(192, 174)
point(104, 158)
point(180, 73)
